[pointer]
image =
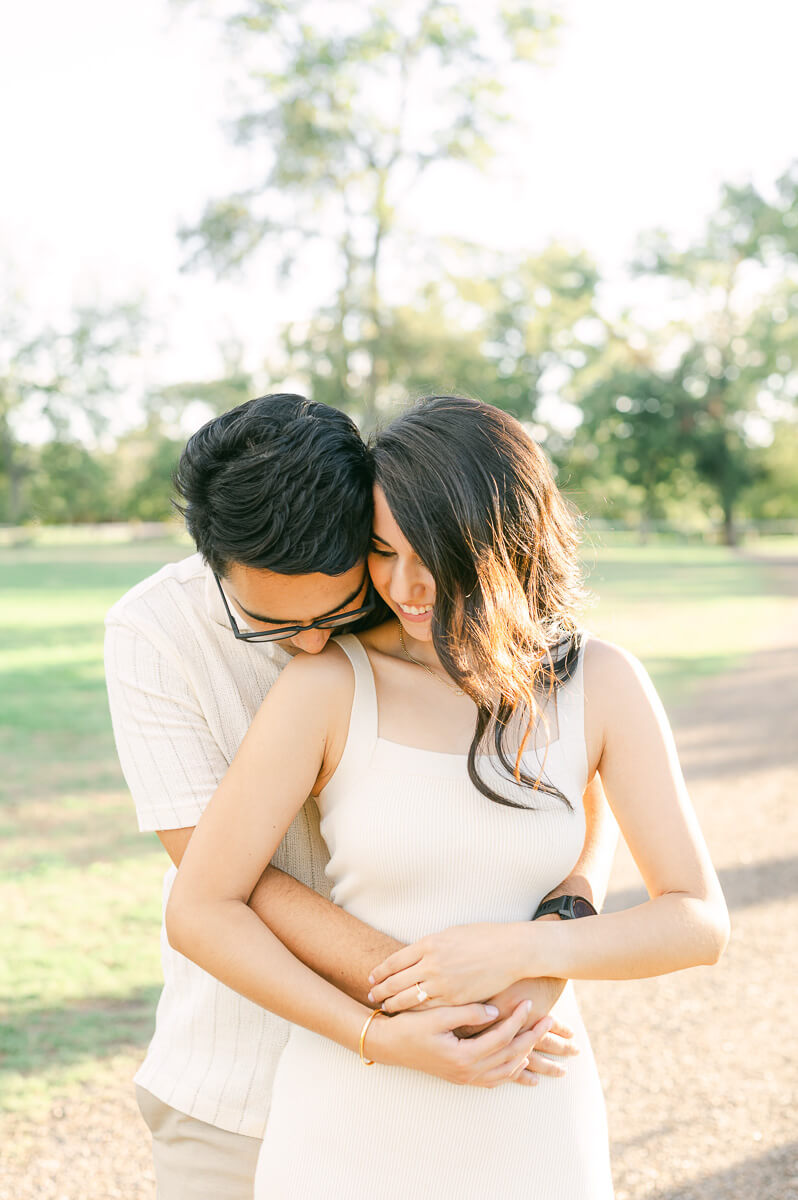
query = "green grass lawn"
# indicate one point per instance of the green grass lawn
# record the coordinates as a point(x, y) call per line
point(80, 887)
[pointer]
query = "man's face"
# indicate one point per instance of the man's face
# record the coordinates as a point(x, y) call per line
point(268, 601)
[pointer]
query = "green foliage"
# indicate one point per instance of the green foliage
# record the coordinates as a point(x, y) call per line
point(738, 349)
point(63, 380)
point(71, 486)
point(149, 498)
point(350, 109)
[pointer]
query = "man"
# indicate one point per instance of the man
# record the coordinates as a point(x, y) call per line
point(277, 496)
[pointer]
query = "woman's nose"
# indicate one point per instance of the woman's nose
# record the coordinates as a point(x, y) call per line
point(409, 582)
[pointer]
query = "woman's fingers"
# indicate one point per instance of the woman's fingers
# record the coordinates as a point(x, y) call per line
point(464, 1016)
point(396, 983)
point(508, 1064)
point(402, 1001)
point(395, 962)
point(503, 1033)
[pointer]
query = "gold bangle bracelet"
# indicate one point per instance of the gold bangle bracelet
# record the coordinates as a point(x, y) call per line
point(377, 1012)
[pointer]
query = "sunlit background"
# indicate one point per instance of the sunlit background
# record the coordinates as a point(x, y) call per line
point(584, 213)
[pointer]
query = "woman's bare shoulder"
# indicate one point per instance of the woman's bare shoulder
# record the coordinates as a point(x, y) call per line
point(330, 668)
point(615, 679)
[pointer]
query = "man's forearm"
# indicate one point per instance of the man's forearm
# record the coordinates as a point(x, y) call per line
point(323, 936)
point(343, 949)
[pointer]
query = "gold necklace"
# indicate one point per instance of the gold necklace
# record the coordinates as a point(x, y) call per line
point(451, 686)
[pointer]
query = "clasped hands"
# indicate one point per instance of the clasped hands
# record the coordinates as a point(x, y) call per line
point(465, 964)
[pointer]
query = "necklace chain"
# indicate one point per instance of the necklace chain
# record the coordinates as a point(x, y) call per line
point(451, 686)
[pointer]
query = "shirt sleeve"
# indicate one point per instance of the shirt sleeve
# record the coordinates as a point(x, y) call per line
point(171, 762)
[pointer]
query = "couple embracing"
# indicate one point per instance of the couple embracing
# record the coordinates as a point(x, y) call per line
point(368, 729)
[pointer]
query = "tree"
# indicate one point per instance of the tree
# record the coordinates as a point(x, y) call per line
point(62, 383)
point(737, 344)
point(70, 486)
point(349, 107)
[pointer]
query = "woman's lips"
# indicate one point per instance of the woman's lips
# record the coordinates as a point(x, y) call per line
point(417, 613)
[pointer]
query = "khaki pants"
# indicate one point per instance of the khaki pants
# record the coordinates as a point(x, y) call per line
point(196, 1161)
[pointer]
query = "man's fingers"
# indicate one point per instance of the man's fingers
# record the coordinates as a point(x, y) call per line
point(560, 1029)
point(540, 1065)
point(556, 1045)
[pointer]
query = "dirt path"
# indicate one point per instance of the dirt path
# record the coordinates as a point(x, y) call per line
point(700, 1069)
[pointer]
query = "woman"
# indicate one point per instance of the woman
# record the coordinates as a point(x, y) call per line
point(448, 749)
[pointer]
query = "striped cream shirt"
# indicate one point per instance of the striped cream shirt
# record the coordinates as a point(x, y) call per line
point(182, 692)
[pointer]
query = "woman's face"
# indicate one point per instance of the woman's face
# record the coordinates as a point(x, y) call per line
point(398, 573)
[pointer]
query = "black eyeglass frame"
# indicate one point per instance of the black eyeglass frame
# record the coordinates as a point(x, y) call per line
point(279, 635)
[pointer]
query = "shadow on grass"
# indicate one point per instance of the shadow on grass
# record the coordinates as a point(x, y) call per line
point(767, 1175)
point(93, 1027)
point(744, 886)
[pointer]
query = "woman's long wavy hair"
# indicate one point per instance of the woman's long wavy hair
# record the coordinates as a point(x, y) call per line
point(474, 495)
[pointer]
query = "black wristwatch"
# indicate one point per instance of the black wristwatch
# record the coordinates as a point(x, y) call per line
point(566, 907)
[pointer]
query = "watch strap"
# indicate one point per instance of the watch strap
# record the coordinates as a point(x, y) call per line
point(566, 907)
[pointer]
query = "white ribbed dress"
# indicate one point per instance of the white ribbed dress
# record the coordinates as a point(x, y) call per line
point(415, 848)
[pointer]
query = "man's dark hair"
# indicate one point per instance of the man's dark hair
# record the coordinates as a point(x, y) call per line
point(281, 483)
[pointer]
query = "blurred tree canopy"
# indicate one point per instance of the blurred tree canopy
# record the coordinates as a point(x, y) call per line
point(343, 112)
point(346, 116)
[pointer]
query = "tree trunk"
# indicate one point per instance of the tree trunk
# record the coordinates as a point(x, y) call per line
point(729, 527)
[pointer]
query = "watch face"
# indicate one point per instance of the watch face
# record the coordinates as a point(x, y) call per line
point(583, 908)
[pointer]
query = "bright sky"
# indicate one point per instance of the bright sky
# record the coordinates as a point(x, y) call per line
point(111, 137)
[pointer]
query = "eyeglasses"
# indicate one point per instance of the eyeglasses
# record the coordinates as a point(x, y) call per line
point(287, 631)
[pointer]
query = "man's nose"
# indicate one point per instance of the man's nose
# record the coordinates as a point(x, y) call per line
point(312, 641)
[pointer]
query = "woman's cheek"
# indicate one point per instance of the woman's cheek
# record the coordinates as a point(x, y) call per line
point(380, 572)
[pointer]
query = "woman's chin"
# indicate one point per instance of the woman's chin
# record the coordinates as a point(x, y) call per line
point(418, 627)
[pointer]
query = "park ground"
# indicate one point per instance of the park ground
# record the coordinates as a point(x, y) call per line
point(699, 1068)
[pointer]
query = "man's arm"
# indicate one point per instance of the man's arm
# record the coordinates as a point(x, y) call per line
point(343, 950)
point(173, 765)
point(323, 936)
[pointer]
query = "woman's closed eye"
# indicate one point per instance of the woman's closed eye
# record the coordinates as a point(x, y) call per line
point(382, 551)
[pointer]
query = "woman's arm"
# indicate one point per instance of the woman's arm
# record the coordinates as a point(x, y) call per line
point(286, 752)
point(683, 924)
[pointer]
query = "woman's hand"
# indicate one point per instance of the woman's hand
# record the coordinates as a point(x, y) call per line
point(425, 1041)
point(461, 965)
point(558, 1042)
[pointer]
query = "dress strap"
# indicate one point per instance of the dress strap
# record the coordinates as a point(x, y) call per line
point(571, 706)
point(364, 717)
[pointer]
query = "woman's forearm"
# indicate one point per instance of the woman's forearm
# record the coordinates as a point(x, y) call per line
point(228, 940)
point(668, 933)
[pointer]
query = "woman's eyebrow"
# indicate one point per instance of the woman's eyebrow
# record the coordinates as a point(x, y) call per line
point(375, 537)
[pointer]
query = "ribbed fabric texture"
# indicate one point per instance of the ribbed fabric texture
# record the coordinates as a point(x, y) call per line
point(183, 693)
point(415, 848)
